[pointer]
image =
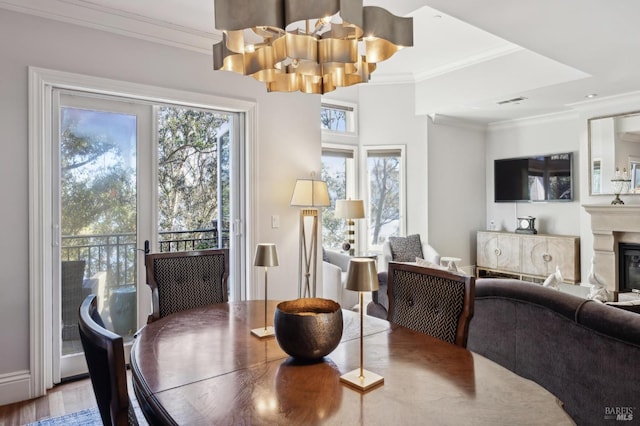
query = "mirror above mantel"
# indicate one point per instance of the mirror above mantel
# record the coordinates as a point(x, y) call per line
point(614, 145)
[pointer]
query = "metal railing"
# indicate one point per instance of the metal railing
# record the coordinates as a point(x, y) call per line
point(116, 254)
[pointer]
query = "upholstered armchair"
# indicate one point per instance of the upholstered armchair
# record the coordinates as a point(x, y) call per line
point(398, 249)
point(334, 274)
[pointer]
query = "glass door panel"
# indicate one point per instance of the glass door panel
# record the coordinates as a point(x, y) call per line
point(98, 219)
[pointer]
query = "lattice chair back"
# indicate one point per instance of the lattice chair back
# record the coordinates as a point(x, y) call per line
point(186, 280)
point(71, 274)
point(104, 352)
point(432, 301)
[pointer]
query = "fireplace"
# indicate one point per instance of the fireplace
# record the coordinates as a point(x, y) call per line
point(629, 267)
point(613, 226)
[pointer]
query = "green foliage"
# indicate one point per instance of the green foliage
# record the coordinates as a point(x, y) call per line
point(97, 189)
point(188, 168)
point(98, 180)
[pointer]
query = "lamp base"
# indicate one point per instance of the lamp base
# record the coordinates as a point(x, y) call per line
point(364, 383)
point(263, 332)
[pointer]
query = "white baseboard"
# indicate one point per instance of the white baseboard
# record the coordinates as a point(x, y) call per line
point(15, 387)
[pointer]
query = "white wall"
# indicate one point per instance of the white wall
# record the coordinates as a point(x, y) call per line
point(456, 187)
point(387, 117)
point(288, 148)
point(555, 134)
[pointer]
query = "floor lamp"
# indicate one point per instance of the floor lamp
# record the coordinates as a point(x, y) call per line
point(362, 276)
point(266, 255)
point(309, 194)
point(350, 209)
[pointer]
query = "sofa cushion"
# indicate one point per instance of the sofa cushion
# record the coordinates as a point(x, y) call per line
point(406, 249)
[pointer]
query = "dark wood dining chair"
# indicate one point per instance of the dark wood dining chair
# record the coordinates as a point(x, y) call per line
point(104, 352)
point(186, 279)
point(432, 301)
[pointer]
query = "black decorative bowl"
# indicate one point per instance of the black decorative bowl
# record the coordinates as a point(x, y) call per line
point(308, 328)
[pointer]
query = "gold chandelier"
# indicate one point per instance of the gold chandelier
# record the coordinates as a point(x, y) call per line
point(313, 46)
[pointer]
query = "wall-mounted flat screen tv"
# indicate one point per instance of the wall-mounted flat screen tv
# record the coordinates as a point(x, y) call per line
point(536, 178)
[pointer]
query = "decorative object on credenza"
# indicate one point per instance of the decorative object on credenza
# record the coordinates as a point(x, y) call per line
point(266, 255)
point(362, 277)
point(553, 281)
point(598, 291)
point(309, 194)
point(526, 225)
point(308, 328)
point(621, 184)
point(350, 210)
point(310, 46)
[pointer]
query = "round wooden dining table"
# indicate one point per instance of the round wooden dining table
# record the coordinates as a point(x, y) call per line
point(204, 367)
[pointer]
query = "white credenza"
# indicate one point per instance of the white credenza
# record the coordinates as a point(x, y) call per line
point(530, 257)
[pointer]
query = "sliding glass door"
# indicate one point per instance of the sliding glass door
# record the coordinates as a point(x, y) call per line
point(133, 175)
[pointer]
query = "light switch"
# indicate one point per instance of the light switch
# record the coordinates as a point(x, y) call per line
point(275, 221)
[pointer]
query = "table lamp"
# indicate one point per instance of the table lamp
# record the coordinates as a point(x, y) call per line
point(266, 255)
point(350, 209)
point(362, 276)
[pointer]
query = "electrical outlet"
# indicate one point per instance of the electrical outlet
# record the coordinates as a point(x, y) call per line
point(275, 221)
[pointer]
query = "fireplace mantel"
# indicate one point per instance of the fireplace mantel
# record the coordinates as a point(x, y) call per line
point(610, 225)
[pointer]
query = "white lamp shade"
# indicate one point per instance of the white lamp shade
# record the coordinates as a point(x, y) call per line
point(310, 193)
point(362, 275)
point(266, 255)
point(349, 209)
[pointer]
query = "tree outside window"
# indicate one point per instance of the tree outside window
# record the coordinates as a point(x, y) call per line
point(385, 168)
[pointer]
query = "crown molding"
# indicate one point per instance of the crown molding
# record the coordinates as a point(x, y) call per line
point(605, 102)
point(90, 15)
point(487, 55)
point(445, 120)
point(529, 121)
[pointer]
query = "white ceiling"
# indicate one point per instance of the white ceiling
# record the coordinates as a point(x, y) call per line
point(468, 54)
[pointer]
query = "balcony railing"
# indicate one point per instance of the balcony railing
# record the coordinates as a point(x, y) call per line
point(117, 253)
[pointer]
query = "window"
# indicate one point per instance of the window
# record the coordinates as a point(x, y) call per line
point(338, 118)
point(385, 169)
point(339, 171)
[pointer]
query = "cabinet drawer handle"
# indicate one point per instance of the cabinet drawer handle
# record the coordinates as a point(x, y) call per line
point(546, 257)
point(498, 252)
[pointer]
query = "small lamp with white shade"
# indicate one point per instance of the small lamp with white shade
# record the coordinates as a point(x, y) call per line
point(350, 210)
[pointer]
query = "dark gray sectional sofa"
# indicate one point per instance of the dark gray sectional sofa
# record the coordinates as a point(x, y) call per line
point(584, 352)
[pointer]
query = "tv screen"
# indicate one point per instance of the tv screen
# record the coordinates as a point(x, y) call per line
point(537, 178)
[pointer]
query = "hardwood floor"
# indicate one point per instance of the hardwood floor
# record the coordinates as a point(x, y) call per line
point(62, 399)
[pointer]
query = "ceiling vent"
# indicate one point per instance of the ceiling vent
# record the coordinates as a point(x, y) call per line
point(512, 101)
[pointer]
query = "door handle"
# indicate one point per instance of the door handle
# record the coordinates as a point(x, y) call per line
point(146, 249)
